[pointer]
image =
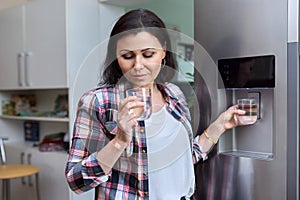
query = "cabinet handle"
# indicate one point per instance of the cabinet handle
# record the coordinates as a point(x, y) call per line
point(20, 62)
point(22, 162)
point(2, 150)
point(29, 159)
point(30, 181)
point(29, 163)
point(26, 66)
point(22, 157)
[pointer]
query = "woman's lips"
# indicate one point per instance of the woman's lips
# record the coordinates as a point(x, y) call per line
point(141, 76)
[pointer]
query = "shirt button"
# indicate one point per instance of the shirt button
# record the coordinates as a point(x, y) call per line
point(140, 193)
point(143, 194)
point(143, 151)
point(104, 178)
point(142, 130)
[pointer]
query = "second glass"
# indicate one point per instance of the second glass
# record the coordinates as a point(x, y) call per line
point(250, 106)
point(143, 95)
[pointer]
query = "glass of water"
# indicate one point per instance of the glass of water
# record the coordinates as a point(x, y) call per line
point(250, 106)
point(143, 95)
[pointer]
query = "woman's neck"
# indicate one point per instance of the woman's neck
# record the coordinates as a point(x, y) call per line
point(157, 99)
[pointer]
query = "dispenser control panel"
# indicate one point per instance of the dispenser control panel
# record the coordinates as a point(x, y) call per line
point(247, 72)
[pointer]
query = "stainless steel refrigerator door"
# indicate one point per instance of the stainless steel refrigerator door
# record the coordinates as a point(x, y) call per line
point(231, 28)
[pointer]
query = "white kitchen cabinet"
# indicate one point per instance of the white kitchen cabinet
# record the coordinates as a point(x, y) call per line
point(20, 188)
point(11, 40)
point(34, 54)
point(45, 44)
point(52, 183)
point(58, 41)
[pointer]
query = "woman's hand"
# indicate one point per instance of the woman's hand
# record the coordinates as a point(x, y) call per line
point(126, 121)
point(227, 120)
point(127, 118)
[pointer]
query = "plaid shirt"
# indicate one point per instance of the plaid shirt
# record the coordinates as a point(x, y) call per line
point(95, 126)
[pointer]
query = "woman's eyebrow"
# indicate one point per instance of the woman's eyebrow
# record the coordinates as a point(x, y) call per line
point(142, 50)
point(125, 50)
point(150, 48)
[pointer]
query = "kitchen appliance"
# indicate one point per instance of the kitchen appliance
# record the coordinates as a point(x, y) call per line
point(249, 49)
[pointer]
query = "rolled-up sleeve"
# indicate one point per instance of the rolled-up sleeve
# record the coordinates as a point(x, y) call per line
point(198, 154)
point(83, 171)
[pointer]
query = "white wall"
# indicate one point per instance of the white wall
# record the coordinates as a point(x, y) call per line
point(175, 13)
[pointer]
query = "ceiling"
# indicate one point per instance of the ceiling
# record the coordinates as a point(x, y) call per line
point(125, 3)
point(10, 3)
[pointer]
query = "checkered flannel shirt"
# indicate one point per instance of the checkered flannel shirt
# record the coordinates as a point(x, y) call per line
point(94, 128)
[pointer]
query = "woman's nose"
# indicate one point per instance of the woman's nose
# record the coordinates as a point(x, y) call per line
point(138, 65)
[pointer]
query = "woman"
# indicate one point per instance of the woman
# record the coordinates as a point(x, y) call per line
point(128, 159)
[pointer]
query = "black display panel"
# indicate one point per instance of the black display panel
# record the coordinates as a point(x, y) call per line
point(247, 72)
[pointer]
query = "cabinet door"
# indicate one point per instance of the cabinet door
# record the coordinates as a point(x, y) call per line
point(45, 44)
point(11, 46)
point(20, 188)
point(52, 179)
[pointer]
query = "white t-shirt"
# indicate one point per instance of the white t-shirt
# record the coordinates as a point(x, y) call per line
point(171, 173)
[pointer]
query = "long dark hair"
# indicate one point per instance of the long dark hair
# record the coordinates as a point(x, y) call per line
point(133, 22)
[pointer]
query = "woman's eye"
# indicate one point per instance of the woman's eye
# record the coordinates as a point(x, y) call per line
point(127, 56)
point(148, 54)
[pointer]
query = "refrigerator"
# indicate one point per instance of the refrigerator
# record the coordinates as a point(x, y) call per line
point(249, 49)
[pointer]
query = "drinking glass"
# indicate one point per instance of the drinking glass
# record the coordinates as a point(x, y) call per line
point(250, 106)
point(143, 95)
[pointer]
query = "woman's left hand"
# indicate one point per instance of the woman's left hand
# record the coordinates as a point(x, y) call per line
point(227, 120)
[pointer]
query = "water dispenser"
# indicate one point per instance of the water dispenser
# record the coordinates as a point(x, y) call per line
point(254, 78)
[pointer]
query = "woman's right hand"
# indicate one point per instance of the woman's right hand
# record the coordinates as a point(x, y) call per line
point(126, 120)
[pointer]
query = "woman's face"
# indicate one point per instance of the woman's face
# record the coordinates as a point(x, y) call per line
point(140, 56)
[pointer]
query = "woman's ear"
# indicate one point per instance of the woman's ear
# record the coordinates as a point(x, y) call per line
point(164, 54)
point(164, 50)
